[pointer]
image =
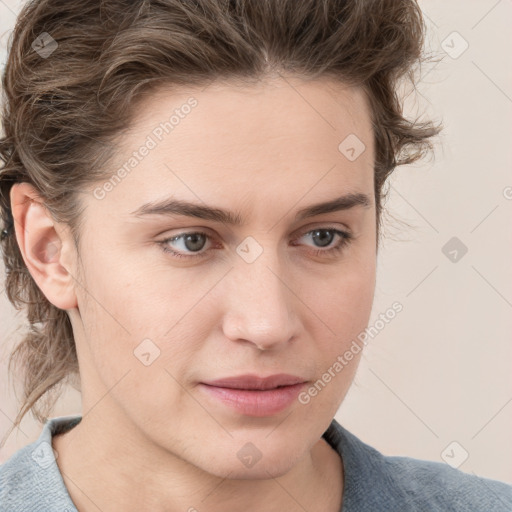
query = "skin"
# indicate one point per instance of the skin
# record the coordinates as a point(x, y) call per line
point(149, 438)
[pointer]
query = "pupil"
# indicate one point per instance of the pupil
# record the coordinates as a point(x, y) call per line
point(193, 239)
point(324, 240)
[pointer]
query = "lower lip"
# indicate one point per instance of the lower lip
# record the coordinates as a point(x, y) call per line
point(255, 403)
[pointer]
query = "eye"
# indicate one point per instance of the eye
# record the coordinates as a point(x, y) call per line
point(325, 236)
point(195, 241)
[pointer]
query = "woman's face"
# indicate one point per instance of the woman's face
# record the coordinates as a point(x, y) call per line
point(276, 292)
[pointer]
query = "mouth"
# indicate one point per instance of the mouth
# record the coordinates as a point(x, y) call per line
point(255, 396)
point(255, 382)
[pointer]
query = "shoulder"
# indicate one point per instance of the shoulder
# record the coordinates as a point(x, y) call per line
point(442, 487)
point(374, 481)
point(30, 478)
point(19, 476)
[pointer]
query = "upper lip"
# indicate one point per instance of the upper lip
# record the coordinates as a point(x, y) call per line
point(256, 382)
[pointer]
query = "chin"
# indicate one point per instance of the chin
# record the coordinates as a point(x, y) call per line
point(252, 463)
point(260, 471)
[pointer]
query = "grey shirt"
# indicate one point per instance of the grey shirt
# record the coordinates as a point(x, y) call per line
point(30, 479)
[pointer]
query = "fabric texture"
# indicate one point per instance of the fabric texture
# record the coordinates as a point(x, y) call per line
point(30, 480)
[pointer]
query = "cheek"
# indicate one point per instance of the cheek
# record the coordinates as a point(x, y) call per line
point(133, 356)
point(351, 306)
point(139, 321)
point(344, 308)
point(344, 302)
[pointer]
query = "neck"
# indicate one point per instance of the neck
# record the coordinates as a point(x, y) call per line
point(111, 468)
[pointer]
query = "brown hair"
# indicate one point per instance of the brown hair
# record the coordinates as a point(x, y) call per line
point(65, 101)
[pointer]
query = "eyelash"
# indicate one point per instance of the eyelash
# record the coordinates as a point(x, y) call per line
point(345, 236)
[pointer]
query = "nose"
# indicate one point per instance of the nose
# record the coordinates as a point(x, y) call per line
point(261, 309)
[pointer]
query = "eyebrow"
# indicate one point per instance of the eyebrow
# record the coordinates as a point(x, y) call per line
point(171, 206)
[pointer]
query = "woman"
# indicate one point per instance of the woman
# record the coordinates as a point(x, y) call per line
point(191, 195)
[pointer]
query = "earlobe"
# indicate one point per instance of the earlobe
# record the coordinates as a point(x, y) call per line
point(42, 246)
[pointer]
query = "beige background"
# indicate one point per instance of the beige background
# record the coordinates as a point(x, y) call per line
point(441, 370)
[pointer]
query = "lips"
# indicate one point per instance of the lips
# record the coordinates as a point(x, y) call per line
point(256, 383)
point(252, 395)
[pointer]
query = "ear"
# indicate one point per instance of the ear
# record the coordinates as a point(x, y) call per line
point(46, 249)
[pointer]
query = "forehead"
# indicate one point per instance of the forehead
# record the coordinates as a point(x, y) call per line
point(283, 132)
point(285, 109)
